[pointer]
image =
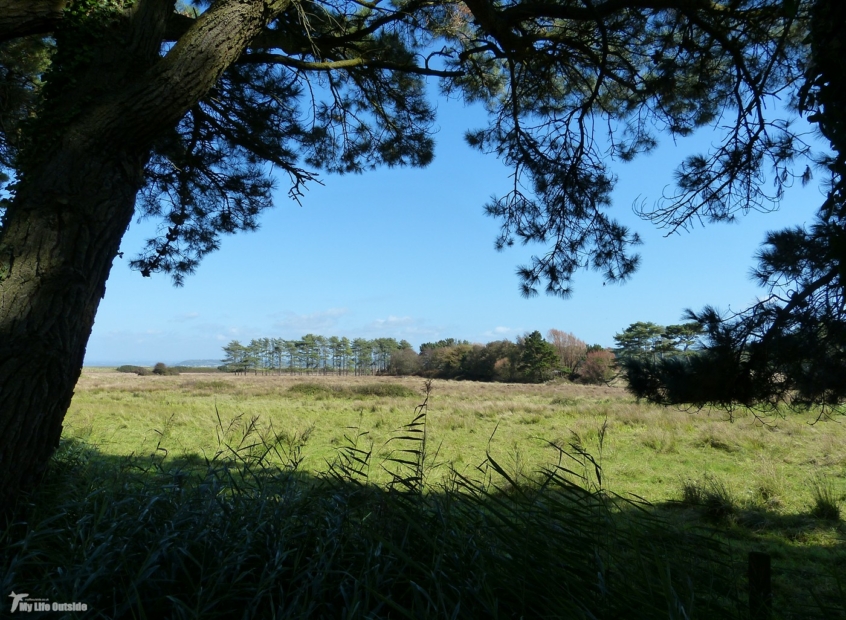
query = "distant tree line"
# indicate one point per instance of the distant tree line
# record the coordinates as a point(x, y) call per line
point(312, 354)
point(530, 358)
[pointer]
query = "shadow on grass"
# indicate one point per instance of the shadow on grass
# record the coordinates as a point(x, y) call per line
point(808, 553)
point(246, 534)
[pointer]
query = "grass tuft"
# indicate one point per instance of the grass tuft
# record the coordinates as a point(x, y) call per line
point(215, 385)
point(713, 496)
point(718, 439)
point(325, 390)
point(660, 440)
point(826, 503)
point(769, 486)
point(311, 389)
point(383, 390)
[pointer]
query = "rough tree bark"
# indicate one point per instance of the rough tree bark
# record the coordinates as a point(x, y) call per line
point(22, 17)
point(75, 198)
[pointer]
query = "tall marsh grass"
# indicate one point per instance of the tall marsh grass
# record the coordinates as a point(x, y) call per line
point(244, 533)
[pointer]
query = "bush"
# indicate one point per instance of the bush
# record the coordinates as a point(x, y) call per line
point(405, 362)
point(504, 370)
point(445, 362)
point(138, 370)
point(162, 369)
point(597, 368)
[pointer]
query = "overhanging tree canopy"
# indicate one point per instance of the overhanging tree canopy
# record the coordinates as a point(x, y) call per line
point(791, 346)
point(116, 108)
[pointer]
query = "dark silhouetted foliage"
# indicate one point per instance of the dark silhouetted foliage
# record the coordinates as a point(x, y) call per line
point(790, 346)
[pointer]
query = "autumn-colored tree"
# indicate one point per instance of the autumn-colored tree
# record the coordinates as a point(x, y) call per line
point(597, 367)
point(570, 350)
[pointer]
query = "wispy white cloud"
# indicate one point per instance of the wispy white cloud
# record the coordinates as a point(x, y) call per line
point(226, 333)
point(293, 324)
point(500, 331)
point(392, 321)
point(402, 327)
point(188, 316)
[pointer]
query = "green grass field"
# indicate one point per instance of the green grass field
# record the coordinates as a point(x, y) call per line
point(714, 489)
point(773, 463)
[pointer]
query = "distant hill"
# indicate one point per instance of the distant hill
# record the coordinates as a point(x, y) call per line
point(199, 363)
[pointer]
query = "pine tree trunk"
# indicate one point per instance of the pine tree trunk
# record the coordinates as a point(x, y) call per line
point(76, 195)
point(63, 231)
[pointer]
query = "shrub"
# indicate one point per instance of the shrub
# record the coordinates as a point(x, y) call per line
point(504, 370)
point(597, 368)
point(404, 362)
point(162, 369)
point(138, 370)
point(445, 362)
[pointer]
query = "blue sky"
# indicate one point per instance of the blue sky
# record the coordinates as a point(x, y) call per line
point(408, 253)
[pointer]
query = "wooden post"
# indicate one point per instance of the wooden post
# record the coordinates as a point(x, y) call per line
point(760, 586)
